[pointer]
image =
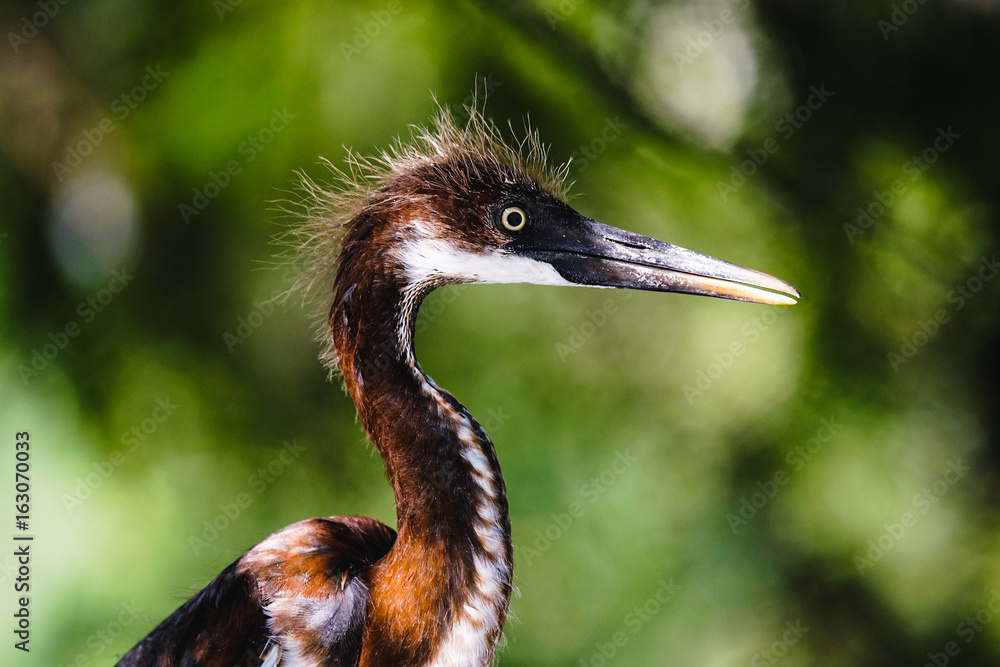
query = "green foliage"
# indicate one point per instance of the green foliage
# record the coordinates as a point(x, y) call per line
point(791, 466)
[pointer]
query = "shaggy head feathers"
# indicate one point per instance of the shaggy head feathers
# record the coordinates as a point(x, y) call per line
point(446, 157)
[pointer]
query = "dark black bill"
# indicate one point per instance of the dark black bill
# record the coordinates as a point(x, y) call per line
point(587, 252)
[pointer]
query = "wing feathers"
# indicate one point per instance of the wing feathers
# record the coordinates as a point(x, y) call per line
point(302, 588)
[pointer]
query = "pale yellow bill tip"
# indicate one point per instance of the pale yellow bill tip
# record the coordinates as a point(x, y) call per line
point(776, 293)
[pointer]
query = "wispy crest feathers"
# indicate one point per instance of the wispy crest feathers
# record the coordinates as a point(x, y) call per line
point(477, 146)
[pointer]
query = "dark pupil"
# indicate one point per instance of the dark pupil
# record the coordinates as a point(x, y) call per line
point(514, 218)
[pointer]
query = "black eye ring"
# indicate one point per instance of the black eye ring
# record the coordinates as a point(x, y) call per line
point(514, 218)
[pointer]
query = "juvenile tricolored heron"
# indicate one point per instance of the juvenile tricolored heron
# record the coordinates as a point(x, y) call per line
point(457, 205)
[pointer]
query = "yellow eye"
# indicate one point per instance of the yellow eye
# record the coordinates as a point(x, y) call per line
point(513, 218)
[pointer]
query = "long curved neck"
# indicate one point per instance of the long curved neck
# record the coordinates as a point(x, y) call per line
point(442, 592)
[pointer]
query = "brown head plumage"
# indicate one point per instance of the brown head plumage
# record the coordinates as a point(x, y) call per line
point(453, 160)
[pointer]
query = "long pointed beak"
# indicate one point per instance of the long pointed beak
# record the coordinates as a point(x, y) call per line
point(588, 252)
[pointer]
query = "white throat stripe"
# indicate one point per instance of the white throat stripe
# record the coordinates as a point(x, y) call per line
point(434, 258)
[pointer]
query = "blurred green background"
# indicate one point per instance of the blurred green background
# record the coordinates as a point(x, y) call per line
point(691, 481)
